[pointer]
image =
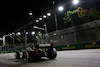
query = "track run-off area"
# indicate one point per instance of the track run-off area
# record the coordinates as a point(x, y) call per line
point(66, 58)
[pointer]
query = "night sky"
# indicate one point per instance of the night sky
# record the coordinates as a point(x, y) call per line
point(14, 14)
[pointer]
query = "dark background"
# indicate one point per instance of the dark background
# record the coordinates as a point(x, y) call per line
point(14, 14)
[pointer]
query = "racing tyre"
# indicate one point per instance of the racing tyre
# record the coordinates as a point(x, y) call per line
point(30, 56)
point(17, 54)
point(23, 55)
point(51, 54)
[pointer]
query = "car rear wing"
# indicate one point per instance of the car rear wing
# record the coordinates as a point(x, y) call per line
point(44, 45)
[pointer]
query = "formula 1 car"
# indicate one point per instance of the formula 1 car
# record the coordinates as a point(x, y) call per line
point(34, 53)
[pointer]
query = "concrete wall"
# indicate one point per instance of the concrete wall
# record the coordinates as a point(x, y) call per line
point(87, 32)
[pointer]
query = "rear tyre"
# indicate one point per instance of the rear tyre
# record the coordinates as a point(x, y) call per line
point(17, 54)
point(52, 54)
point(23, 55)
point(31, 56)
point(26, 57)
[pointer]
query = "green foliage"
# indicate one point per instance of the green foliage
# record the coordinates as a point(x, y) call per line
point(80, 15)
point(94, 14)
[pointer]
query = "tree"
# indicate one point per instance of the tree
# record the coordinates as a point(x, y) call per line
point(80, 15)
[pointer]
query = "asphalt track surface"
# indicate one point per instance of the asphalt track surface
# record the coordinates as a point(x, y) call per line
point(68, 58)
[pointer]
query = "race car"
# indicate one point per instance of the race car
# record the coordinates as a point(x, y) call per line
point(34, 53)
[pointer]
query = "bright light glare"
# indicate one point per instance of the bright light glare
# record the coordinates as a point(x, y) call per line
point(75, 1)
point(39, 32)
point(19, 33)
point(33, 33)
point(26, 32)
point(40, 18)
point(48, 14)
point(13, 33)
point(60, 8)
point(10, 34)
point(44, 16)
point(37, 37)
point(30, 14)
point(37, 20)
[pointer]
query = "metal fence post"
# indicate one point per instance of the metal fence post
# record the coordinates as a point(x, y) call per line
point(58, 34)
point(75, 35)
point(13, 42)
point(97, 30)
